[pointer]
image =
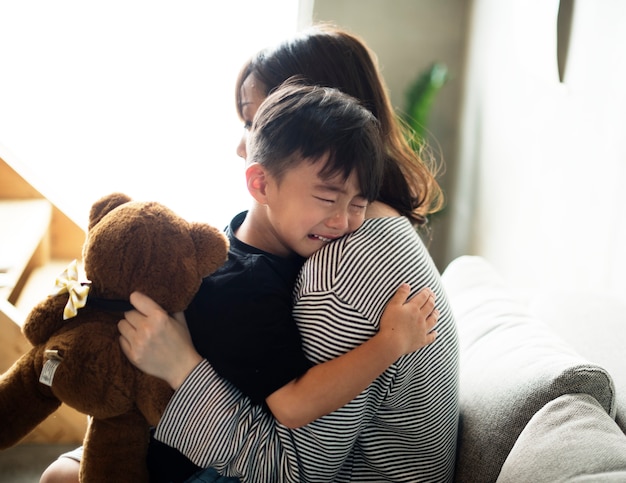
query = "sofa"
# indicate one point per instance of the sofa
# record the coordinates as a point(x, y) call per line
point(542, 381)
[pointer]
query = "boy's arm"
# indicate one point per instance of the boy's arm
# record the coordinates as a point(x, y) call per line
point(405, 326)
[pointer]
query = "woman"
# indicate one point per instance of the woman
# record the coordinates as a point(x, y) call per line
point(403, 427)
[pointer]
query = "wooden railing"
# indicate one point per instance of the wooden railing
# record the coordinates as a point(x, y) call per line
point(37, 240)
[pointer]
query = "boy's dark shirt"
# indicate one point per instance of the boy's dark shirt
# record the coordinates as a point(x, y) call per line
point(241, 319)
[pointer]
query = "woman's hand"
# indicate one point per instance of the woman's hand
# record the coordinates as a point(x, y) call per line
point(157, 343)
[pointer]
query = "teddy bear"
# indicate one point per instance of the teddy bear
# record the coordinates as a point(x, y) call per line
point(76, 356)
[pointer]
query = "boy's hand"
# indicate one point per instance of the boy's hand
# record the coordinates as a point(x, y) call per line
point(410, 323)
point(157, 343)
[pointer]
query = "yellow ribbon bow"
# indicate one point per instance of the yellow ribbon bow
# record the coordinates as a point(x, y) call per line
point(67, 282)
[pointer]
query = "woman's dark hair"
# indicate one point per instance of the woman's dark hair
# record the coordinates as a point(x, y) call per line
point(331, 57)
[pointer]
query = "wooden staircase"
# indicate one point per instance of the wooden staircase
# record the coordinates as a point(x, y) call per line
point(37, 241)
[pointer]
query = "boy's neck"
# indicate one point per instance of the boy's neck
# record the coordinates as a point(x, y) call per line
point(256, 231)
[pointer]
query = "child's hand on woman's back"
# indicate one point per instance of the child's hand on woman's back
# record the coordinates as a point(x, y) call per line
point(410, 322)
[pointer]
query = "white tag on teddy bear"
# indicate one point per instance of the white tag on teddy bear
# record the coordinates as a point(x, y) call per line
point(48, 370)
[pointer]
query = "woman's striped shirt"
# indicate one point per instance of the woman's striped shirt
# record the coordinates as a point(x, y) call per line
point(402, 428)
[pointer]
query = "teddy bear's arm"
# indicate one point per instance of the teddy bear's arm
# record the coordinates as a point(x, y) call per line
point(24, 401)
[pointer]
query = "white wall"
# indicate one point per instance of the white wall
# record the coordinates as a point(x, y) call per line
point(546, 160)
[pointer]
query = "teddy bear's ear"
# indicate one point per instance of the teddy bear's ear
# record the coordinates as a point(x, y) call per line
point(211, 247)
point(104, 205)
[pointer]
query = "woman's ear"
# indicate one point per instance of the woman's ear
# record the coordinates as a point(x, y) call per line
point(256, 180)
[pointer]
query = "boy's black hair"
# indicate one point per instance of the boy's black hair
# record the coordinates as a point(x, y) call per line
point(299, 121)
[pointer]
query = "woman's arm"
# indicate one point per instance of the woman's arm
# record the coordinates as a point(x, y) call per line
point(208, 419)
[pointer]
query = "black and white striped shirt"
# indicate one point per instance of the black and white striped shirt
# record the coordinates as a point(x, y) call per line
point(402, 428)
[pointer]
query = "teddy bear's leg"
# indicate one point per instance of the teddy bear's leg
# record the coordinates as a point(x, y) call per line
point(115, 449)
point(24, 401)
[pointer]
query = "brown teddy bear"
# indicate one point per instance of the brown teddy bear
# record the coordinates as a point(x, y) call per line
point(76, 356)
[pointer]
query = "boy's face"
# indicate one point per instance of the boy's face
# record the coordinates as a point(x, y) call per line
point(304, 211)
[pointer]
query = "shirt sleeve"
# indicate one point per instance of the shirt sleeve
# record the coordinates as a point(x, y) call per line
point(214, 425)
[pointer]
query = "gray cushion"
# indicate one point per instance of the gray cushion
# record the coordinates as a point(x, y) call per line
point(570, 439)
point(511, 365)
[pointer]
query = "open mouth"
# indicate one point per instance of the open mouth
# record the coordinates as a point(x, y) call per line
point(321, 238)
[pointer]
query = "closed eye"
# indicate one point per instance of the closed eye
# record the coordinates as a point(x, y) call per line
point(359, 202)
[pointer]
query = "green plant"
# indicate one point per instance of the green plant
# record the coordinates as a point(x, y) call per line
point(420, 97)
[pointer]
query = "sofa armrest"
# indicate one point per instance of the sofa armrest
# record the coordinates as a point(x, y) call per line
point(511, 365)
point(593, 323)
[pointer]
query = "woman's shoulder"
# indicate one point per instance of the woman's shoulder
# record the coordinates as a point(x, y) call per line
point(378, 209)
point(377, 239)
point(376, 231)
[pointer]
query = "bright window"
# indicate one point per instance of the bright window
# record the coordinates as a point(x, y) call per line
point(132, 96)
